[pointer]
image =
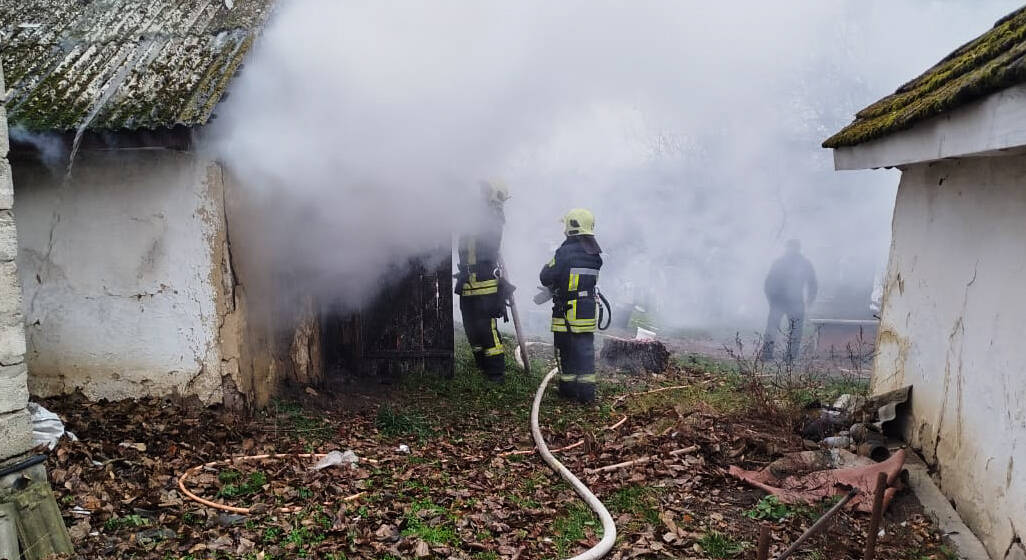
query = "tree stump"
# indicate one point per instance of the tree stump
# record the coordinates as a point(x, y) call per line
point(26, 495)
point(635, 356)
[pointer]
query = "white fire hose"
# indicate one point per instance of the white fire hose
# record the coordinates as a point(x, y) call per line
point(608, 527)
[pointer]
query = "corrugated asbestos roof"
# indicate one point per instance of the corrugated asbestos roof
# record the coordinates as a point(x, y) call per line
point(992, 62)
point(134, 63)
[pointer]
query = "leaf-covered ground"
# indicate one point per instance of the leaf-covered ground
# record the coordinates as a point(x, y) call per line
point(457, 493)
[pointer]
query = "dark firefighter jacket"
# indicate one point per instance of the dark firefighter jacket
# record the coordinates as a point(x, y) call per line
point(479, 258)
point(572, 276)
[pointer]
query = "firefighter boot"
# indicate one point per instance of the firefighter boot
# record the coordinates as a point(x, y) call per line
point(585, 390)
point(567, 385)
point(494, 368)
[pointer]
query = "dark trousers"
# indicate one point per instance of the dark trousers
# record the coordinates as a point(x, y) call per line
point(792, 329)
point(576, 353)
point(483, 337)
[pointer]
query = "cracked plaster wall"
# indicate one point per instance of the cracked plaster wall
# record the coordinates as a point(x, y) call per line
point(952, 327)
point(135, 294)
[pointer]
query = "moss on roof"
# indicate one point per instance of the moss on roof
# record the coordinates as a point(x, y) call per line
point(992, 62)
point(124, 63)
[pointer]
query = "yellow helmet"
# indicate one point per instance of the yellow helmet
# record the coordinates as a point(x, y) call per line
point(495, 190)
point(579, 221)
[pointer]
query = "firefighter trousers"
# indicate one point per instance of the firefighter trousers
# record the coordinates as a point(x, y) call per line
point(483, 337)
point(576, 365)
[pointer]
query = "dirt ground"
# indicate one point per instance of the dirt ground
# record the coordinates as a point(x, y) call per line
point(456, 492)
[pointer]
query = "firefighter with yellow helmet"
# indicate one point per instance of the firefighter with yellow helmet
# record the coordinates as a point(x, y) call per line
point(571, 277)
point(479, 283)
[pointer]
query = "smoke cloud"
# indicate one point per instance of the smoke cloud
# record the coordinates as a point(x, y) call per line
point(691, 130)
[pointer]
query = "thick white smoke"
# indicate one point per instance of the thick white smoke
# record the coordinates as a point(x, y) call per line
point(692, 130)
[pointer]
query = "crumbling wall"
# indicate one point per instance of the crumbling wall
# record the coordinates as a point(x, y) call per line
point(124, 267)
point(278, 334)
point(952, 327)
point(15, 428)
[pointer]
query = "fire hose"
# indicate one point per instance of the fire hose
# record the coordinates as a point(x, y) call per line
point(608, 527)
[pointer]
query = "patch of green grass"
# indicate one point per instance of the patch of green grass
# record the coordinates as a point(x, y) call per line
point(272, 535)
point(395, 422)
point(718, 545)
point(250, 486)
point(229, 476)
point(302, 537)
point(833, 388)
point(698, 363)
point(486, 555)
point(570, 527)
point(115, 523)
point(639, 501)
point(442, 533)
point(773, 509)
point(304, 493)
point(311, 427)
point(468, 392)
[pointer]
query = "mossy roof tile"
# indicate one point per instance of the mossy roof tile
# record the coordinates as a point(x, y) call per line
point(991, 62)
point(128, 63)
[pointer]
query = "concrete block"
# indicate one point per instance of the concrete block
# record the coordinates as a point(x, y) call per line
point(13, 388)
point(10, 294)
point(15, 434)
point(8, 236)
point(12, 343)
point(6, 185)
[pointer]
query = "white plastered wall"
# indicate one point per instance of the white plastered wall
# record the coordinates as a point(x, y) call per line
point(122, 283)
point(953, 327)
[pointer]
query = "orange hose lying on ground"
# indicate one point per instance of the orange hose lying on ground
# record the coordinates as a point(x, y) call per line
point(242, 510)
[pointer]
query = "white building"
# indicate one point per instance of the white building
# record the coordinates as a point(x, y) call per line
point(954, 304)
point(138, 268)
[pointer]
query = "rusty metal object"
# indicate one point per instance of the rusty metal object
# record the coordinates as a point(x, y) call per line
point(820, 523)
point(875, 450)
point(874, 521)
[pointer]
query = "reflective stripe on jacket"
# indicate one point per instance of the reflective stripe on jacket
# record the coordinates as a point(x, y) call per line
point(479, 257)
point(572, 275)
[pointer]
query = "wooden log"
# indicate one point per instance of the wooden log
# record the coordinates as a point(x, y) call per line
point(635, 356)
point(40, 526)
point(762, 553)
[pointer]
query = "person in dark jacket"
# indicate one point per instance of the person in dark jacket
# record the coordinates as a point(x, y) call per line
point(790, 286)
point(571, 277)
point(478, 283)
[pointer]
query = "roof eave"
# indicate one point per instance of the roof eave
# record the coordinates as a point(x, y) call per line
point(993, 125)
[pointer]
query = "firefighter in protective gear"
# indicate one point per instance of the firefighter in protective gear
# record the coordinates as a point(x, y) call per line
point(572, 277)
point(479, 284)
